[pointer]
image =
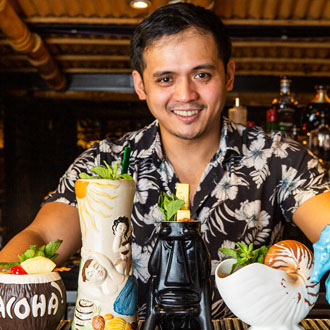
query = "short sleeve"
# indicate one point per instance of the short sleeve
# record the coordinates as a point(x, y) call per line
point(303, 177)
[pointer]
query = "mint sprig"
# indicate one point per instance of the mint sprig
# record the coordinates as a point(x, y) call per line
point(245, 254)
point(106, 172)
point(48, 251)
point(169, 205)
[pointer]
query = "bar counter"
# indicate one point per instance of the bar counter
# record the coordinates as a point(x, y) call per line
point(235, 324)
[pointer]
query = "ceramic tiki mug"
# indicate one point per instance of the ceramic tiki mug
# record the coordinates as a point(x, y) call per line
point(30, 302)
point(271, 296)
point(322, 259)
point(107, 291)
point(179, 284)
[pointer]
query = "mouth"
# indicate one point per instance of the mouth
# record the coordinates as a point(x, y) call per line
point(186, 113)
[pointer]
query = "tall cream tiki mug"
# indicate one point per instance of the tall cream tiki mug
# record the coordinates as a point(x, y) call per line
point(107, 291)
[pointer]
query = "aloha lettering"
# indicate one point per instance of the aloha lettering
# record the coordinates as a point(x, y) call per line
point(22, 308)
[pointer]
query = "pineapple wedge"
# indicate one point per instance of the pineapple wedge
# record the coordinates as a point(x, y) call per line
point(182, 214)
point(182, 192)
point(38, 265)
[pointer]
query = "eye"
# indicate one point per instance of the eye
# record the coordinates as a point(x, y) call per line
point(164, 80)
point(203, 75)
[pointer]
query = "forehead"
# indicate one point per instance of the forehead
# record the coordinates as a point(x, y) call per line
point(191, 39)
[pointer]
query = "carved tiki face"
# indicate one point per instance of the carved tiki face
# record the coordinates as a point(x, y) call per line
point(179, 264)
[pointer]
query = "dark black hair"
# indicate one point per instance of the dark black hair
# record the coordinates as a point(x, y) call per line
point(172, 19)
point(119, 220)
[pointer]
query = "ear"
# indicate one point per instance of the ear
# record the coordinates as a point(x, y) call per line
point(230, 75)
point(138, 85)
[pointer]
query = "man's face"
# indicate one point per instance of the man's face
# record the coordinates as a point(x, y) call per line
point(184, 84)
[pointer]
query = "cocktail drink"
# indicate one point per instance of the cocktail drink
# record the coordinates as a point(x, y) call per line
point(32, 293)
point(107, 291)
point(29, 302)
point(179, 269)
point(274, 293)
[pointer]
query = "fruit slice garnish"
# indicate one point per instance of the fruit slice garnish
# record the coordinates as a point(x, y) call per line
point(18, 270)
point(38, 265)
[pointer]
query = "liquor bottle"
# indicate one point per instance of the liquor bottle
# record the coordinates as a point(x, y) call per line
point(285, 106)
point(311, 114)
point(271, 121)
point(238, 114)
point(319, 139)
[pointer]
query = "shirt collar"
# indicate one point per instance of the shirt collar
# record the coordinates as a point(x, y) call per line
point(150, 143)
point(230, 141)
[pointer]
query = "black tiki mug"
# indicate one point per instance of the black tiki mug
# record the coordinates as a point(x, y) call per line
point(180, 279)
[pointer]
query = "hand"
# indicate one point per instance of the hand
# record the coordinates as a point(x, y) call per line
point(322, 259)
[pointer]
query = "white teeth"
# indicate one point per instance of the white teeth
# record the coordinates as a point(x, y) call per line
point(185, 113)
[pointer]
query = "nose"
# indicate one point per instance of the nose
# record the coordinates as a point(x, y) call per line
point(185, 90)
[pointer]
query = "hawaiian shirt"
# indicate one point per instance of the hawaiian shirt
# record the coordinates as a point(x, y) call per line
point(251, 186)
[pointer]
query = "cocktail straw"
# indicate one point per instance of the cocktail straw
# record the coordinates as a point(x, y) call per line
point(125, 161)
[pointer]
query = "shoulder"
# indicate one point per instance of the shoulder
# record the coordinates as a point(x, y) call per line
point(253, 142)
point(277, 142)
point(138, 141)
point(244, 139)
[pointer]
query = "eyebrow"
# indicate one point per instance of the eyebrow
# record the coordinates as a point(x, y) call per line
point(196, 68)
point(161, 73)
point(204, 66)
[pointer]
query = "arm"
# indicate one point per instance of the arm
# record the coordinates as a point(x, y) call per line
point(313, 215)
point(54, 221)
point(118, 247)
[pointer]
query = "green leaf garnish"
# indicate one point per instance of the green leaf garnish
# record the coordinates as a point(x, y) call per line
point(245, 254)
point(48, 251)
point(86, 176)
point(51, 248)
point(106, 172)
point(9, 264)
point(169, 205)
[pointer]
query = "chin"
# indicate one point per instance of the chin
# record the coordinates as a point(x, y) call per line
point(188, 136)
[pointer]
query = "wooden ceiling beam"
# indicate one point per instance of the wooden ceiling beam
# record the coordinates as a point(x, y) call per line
point(123, 58)
point(238, 72)
point(87, 41)
point(26, 42)
point(135, 21)
point(277, 22)
point(82, 20)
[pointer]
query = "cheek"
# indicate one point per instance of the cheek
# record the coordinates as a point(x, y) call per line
point(216, 95)
point(157, 103)
point(157, 96)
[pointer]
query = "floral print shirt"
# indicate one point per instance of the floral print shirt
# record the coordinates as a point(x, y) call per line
point(253, 184)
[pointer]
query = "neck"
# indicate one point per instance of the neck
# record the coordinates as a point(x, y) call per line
point(189, 158)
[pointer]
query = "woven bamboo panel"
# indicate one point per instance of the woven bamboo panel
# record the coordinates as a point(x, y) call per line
point(233, 11)
point(235, 324)
point(307, 324)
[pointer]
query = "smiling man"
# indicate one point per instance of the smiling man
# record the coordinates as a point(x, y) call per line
point(184, 84)
point(244, 184)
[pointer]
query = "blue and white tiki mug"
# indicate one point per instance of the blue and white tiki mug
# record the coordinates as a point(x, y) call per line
point(322, 259)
